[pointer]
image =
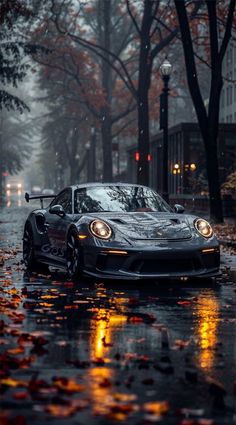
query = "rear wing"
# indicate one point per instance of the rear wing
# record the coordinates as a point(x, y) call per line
point(28, 197)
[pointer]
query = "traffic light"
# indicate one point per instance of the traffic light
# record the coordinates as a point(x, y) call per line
point(137, 156)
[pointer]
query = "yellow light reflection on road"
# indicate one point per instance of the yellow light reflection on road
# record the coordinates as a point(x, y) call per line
point(207, 310)
point(100, 381)
point(100, 378)
point(102, 327)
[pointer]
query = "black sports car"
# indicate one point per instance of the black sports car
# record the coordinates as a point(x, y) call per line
point(118, 231)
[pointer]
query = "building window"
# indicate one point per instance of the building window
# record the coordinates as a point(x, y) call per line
point(223, 97)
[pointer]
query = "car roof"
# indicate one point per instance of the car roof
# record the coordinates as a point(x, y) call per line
point(99, 184)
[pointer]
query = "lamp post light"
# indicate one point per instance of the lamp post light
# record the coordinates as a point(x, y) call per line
point(165, 72)
point(93, 154)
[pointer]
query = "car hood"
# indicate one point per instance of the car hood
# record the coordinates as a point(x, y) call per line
point(149, 225)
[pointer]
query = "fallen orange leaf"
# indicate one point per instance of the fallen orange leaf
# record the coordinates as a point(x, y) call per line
point(60, 411)
point(14, 383)
point(67, 385)
point(18, 350)
point(157, 407)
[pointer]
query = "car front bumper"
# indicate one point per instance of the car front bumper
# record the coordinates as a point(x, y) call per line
point(133, 264)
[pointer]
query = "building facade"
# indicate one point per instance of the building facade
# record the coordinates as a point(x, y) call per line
point(186, 159)
point(228, 94)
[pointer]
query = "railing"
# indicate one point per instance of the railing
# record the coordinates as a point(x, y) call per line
point(200, 204)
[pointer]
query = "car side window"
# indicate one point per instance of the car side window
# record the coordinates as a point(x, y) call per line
point(65, 200)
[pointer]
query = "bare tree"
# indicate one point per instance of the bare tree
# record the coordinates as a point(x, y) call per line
point(106, 27)
point(208, 119)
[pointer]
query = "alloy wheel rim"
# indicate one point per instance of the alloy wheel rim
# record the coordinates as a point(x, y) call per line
point(27, 246)
point(72, 255)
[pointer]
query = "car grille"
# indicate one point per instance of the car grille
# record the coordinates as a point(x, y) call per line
point(165, 266)
point(158, 266)
point(211, 260)
point(110, 262)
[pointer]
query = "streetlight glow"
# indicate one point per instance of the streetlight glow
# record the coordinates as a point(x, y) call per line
point(166, 68)
point(193, 167)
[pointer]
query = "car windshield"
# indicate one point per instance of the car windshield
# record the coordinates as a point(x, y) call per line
point(118, 198)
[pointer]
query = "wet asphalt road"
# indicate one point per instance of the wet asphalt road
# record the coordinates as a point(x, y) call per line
point(131, 353)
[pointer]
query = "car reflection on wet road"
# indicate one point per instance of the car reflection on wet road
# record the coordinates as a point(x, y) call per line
point(14, 197)
point(102, 353)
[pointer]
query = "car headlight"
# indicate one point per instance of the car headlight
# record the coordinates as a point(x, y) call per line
point(203, 227)
point(100, 229)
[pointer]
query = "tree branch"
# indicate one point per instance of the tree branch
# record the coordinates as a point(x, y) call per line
point(133, 18)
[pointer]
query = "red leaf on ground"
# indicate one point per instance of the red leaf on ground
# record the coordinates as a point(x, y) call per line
point(20, 395)
point(136, 319)
point(184, 302)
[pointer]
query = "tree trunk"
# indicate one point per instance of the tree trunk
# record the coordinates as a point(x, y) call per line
point(1, 187)
point(143, 136)
point(215, 204)
point(208, 122)
point(73, 173)
point(106, 144)
point(142, 96)
point(211, 146)
point(106, 123)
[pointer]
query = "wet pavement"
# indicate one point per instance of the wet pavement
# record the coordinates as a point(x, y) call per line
point(104, 353)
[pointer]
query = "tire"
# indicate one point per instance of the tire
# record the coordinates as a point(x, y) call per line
point(28, 251)
point(73, 255)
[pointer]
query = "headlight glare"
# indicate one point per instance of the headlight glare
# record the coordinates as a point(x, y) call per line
point(100, 229)
point(203, 227)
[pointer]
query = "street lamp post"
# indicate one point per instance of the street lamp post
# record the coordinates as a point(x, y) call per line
point(90, 147)
point(165, 72)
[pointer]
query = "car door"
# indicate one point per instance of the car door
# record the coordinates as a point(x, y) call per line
point(57, 226)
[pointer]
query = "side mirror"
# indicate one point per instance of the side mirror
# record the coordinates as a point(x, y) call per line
point(58, 210)
point(179, 209)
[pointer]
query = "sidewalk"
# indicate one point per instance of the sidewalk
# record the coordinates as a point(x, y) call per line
point(228, 260)
point(226, 235)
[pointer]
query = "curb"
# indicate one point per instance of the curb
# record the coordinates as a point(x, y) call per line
point(230, 244)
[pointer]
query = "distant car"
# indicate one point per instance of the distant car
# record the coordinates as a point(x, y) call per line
point(48, 192)
point(36, 189)
point(119, 231)
point(14, 186)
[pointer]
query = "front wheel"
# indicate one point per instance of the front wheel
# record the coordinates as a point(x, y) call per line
point(28, 249)
point(73, 255)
